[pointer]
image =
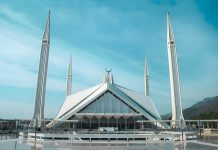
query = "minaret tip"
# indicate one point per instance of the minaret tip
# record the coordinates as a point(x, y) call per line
point(146, 66)
point(168, 18)
point(146, 78)
point(146, 60)
point(69, 78)
point(49, 13)
point(70, 60)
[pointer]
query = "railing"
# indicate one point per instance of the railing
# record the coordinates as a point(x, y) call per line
point(10, 128)
point(8, 134)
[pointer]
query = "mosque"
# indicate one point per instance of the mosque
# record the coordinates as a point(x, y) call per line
point(107, 105)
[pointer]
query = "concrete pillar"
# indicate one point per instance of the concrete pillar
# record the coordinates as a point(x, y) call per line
point(117, 122)
point(90, 123)
point(134, 123)
point(125, 123)
point(108, 122)
point(156, 124)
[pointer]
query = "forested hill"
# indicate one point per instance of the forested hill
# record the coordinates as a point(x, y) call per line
point(205, 109)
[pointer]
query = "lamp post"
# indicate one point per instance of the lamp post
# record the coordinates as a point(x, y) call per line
point(199, 126)
point(36, 128)
point(17, 126)
point(181, 126)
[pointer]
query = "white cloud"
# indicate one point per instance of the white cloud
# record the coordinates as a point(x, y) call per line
point(16, 16)
point(196, 43)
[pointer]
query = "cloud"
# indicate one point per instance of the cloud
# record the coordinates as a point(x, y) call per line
point(15, 75)
point(113, 35)
point(16, 17)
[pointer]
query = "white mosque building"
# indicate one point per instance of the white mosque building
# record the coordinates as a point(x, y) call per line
point(107, 104)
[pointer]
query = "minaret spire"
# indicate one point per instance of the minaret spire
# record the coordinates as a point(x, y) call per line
point(69, 78)
point(174, 78)
point(42, 75)
point(146, 79)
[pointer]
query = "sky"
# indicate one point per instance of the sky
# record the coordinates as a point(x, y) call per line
point(101, 34)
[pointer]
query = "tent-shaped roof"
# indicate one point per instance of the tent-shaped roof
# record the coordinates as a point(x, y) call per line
point(74, 103)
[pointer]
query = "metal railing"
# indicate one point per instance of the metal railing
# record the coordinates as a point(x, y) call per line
point(10, 128)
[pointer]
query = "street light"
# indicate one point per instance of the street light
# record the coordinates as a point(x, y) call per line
point(181, 126)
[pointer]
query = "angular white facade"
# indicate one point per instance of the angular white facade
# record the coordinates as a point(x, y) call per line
point(42, 76)
point(110, 101)
point(176, 99)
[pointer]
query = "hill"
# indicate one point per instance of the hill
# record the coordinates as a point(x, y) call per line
point(206, 109)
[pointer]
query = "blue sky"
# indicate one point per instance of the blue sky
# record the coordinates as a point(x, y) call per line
point(103, 34)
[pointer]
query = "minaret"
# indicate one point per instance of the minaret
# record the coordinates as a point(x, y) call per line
point(174, 78)
point(146, 79)
point(69, 78)
point(41, 82)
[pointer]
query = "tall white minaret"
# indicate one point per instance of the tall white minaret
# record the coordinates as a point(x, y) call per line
point(146, 79)
point(174, 78)
point(69, 78)
point(38, 116)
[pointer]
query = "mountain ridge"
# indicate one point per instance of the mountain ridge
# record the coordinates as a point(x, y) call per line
point(206, 106)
